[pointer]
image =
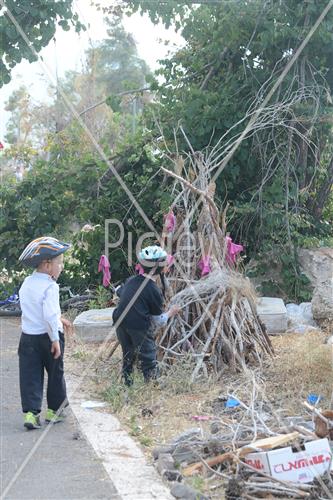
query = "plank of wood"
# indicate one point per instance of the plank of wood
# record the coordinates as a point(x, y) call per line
point(262, 444)
point(269, 443)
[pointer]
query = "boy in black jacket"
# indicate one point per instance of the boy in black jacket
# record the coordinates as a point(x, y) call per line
point(141, 304)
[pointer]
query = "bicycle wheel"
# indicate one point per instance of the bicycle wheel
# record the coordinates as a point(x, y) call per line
point(10, 310)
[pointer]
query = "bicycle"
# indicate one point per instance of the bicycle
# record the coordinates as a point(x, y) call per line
point(76, 301)
point(10, 306)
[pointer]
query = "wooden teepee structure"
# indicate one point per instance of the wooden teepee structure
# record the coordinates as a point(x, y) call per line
point(218, 325)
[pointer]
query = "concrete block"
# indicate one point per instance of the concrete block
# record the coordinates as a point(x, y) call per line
point(273, 314)
point(95, 325)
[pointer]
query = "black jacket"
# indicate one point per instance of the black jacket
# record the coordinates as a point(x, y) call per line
point(149, 302)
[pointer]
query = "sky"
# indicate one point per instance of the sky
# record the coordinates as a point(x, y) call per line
point(67, 53)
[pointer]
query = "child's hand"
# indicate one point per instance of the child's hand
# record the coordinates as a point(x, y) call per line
point(174, 310)
point(68, 326)
point(55, 349)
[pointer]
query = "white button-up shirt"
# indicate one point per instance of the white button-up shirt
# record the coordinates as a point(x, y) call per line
point(39, 300)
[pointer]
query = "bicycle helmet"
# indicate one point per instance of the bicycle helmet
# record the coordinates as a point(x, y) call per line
point(44, 248)
point(153, 254)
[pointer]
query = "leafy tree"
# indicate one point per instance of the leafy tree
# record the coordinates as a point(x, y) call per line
point(18, 126)
point(115, 62)
point(38, 19)
point(112, 67)
point(279, 180)
point(60, 196)
point(29, 120)
point(233, 55)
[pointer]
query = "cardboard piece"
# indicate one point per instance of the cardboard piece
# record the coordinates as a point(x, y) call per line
point(295, 466)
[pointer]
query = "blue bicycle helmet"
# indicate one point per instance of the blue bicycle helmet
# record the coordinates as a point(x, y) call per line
point(40, 249)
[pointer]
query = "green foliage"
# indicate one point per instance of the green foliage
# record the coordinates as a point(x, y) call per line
point(280, 197)
point(44, 203)
point(60, 196)
point(280, 276)
point(118, 395)
point(116, 62)
point(140, 173)
point(169, 12)
point(10, 281)
point(233, 55)
point(38, 20)
point(102, 298)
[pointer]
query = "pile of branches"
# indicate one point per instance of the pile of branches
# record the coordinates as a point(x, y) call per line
point(218, 325)
point(221, 454)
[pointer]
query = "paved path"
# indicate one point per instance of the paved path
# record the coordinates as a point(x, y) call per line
point(62, 467)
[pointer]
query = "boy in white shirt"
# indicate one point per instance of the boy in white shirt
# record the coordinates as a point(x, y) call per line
point(42, 340)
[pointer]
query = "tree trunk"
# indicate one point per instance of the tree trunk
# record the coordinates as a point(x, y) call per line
point(323, 192)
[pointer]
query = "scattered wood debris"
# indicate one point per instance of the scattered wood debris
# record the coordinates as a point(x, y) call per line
point(241, 432)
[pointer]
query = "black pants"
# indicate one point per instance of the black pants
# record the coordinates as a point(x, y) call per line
point(141, 343)
point(35, 355)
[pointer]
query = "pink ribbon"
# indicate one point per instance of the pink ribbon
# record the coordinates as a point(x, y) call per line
point(204, 265)
point(104, 265)
point(170, 260)
point(170, 221)
point(139, 269)
point(232, 250)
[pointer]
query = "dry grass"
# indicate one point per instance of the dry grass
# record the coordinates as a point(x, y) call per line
point(303, 365)
point(163, 411)
point(153, 414)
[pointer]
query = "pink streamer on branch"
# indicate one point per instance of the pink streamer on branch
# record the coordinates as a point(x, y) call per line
point(170, 260)
point(232, 250)
point(170, 221)
point(104, 265)
point(139, 269)
point(204, 265)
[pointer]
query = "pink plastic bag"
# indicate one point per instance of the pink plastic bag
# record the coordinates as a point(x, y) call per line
point(104, 265)
point(139, 269)
point(232, 250)
point(204, 265)
point(170, 260)
point(170, 221)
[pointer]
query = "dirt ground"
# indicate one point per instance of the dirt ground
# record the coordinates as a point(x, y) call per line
point(154, 415)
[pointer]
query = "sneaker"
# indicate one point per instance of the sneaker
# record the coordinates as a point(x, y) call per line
point(32, 421)
point(51, 416)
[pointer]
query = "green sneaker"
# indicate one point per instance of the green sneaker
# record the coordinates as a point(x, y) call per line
point(32, 421)
point(51, 416)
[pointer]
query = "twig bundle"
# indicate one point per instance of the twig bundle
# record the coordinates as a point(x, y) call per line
point(218, 325)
